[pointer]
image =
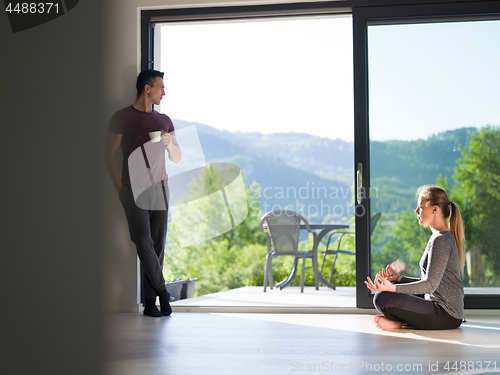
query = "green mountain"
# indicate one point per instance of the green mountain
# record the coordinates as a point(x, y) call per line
point(327, 158)
point(308, 174)
point(398, 168)
point(314, 174)
point(421, 161)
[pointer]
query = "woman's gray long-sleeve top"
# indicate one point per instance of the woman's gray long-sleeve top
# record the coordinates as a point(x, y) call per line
point(440, 281)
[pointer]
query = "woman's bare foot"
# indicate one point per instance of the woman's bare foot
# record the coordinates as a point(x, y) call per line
point(382, 322)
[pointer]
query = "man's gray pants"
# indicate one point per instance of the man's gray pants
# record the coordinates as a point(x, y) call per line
point(148, 231)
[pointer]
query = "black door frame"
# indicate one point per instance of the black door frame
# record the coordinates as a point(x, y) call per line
point(393, 15)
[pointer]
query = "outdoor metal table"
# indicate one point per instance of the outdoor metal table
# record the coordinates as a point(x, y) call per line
point(324, 230)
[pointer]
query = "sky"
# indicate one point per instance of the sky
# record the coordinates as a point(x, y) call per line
point(296, 75)
point(429, 78)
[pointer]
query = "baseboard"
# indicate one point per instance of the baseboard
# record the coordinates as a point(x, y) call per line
point(124, 308)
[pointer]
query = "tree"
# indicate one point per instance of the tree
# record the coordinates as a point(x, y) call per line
point(477, 193)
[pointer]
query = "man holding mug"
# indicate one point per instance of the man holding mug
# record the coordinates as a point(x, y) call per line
point(130, 129)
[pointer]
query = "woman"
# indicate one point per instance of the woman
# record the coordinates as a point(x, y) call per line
point(441, 264)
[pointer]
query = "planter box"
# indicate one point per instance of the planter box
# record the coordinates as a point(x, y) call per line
point(174, 288)
point(188, 288)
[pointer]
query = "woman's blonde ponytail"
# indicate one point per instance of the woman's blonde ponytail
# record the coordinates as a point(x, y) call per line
point(457, 228)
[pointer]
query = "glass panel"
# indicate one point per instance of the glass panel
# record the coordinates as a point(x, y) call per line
point(434, 119)
point(275, 98)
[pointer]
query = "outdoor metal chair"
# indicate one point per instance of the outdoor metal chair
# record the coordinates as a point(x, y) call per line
point(373, 223)
point(281, 228)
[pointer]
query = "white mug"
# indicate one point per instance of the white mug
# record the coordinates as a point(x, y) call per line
point(155, 136)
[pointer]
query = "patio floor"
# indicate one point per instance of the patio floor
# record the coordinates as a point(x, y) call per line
point(252, 299)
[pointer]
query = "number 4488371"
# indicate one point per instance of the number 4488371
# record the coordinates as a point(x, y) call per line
point(32, 8)
point(469, 365)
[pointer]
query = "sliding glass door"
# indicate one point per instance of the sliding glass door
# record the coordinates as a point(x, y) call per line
point(272, 96)
point(432, 93)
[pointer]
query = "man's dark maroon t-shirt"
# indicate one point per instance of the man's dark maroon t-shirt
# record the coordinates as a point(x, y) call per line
point(135, 126)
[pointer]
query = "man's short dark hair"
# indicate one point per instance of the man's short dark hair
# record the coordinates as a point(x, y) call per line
point(147, 77)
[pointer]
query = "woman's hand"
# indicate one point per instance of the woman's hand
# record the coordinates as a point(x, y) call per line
point(389, 274)
point(380, 284)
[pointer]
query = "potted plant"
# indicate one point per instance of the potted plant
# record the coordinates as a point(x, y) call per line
point(174, 287)
point(188, 288)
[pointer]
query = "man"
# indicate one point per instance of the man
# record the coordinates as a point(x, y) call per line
point(129, 129)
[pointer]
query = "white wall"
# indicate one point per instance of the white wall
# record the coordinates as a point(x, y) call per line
point(123, 65)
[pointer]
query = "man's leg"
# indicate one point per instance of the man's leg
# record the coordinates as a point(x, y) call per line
point(158, 220)
point(139, 221)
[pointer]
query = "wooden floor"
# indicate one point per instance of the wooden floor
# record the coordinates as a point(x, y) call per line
point(252, 343)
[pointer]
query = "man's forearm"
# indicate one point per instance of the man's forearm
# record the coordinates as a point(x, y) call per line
point(174, 153)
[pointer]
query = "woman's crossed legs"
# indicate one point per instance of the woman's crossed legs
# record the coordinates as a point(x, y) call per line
point(417, 312)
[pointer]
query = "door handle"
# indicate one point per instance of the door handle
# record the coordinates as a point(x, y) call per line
point(359, 178)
